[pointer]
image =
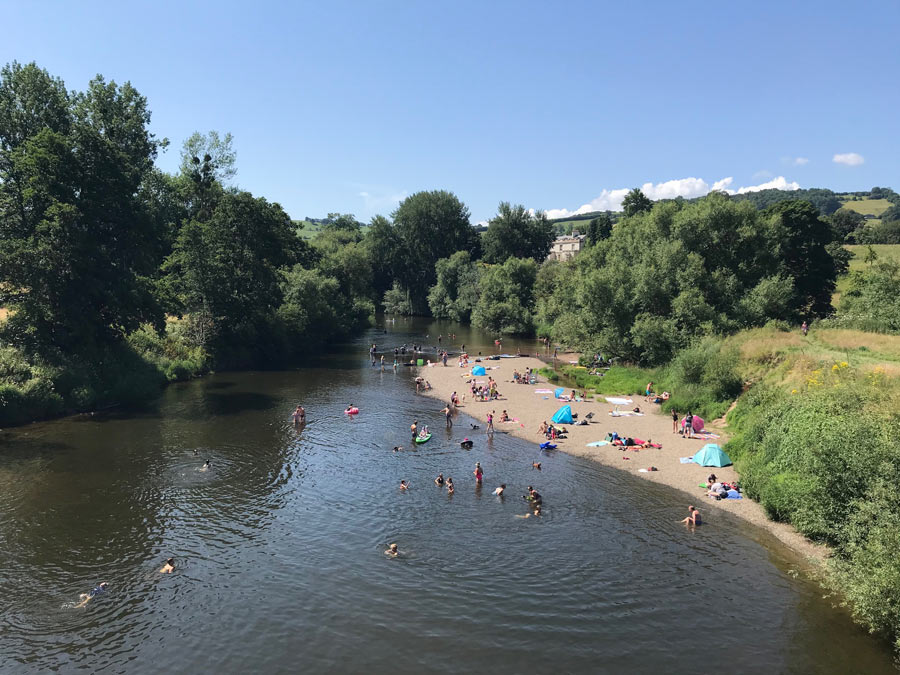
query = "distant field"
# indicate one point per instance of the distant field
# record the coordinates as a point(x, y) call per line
point(310, 230)
point(874, 207)
point(857, 262)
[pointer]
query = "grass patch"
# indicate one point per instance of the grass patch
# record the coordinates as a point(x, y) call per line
point(874, 207)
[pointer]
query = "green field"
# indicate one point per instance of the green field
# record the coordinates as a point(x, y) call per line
point(883, 251)
point(873, 207)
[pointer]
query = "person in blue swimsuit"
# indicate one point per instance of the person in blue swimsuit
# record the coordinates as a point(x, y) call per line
point(91, 594)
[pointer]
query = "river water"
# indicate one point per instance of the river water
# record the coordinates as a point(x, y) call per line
point(280, 546)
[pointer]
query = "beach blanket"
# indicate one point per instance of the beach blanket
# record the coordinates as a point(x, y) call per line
point(616, 400)
point(686, 460)
point(734, 494)
point(543, 391)
point(625, 413)
point(706, 436)
point(597, 444)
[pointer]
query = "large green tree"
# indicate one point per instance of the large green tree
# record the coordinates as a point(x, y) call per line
point(516, 232)
point(77, 247)
point(636, 202)
point(506, 303)
point(456, 292)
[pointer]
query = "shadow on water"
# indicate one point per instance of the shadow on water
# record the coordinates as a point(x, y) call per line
point(237, 402)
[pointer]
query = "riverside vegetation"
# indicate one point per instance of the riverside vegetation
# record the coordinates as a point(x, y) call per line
point(116, 277)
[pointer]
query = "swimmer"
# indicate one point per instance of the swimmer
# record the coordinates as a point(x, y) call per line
point(392, 551)
point(533, 496)
point(449, 486)
point(499, 491)
point(439, 481)
point(536, 465)
point(87, 597)
point(404, 485)
point(299, 415)
point(693, 517)
point(479, 474)
point(398, 448)
point(169, 567)
point(207, 465)
point(536, 513)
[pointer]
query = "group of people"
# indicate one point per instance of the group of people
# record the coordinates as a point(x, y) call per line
point(100, 589)
point(528, 377)
point(550, 432)
point(485, 392)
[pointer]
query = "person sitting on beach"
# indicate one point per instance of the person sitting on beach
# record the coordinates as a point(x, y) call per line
point(504, 417)
point(392, 551)
point(711, 478)
point(693, 517)
point(169, 567)
point(543, 428)
point(499, 491)
point(439, 481)
point(91, 594)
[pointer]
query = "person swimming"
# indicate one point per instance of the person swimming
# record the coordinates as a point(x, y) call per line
point(449, 486)
point(536, 465)
point(392, 551)
point(439, 481)
point(169, 567)
point(499, 491)
point(404, 485)
point(85, 598)
point(535, 513)
point(207, 465)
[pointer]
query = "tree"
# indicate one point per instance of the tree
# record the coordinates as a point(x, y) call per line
point(346, 222)
point(507, 297)
point(515, 232)
point(77, 248)
point(636, 202)
point(456, 292)
point(845, 222)
point(599, 228)
point(213, 150)
point(803, 240)
point(225, 271)
point(385, 254)
point(428, 226)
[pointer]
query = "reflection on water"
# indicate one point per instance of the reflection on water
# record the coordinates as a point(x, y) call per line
point(280, 545)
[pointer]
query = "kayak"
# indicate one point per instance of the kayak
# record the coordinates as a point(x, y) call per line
point(423, 439)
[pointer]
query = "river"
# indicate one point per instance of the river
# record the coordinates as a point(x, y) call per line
point(280, 546)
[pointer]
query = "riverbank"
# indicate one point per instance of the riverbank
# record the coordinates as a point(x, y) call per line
point(529, 408)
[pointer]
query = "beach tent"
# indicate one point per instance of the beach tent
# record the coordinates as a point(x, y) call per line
point(479, 370)
point(558, 392)
point(563, 415)
point(712, 455)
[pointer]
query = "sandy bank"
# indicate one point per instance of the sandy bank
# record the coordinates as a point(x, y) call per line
point(530, 408)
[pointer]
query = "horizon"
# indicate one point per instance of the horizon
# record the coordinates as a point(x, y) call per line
point(352, 108)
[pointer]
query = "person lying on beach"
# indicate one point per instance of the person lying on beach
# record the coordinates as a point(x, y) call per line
point(169, 567)
point(392, 551)
point(693, 517)
point(718, 491)
point(499, 491)
point(91, 594)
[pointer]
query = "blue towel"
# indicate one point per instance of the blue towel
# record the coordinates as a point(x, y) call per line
point(734, 494)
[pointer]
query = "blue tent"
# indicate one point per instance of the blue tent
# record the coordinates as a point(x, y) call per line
point(563, 415)
point(712, 455)
point(558, 392)
point(479, 370)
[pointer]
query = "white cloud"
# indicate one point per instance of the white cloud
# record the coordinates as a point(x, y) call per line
point(780, 183)
point(848, 158)
point(611, 200)
point(377, 199)
point(800, 161)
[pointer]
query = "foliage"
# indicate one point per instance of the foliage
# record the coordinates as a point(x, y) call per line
point(456, 292)
point(599, 228)
point(636, 202)
point(517, 233)
point(507, 296)
point(885, 232)
point(215, 151)
point(874, 295)
point(825, 201)
point(845, 222)
point(396, 300)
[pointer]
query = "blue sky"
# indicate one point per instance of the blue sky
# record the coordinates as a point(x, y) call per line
point(349, 106)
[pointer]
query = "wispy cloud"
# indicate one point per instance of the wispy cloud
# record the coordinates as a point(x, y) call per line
point(611, 200)
point(848, 158)
point(378, 199)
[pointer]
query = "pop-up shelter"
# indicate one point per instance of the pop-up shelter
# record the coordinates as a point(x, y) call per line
point(563, 415)
point(558, 392)
point(479, 370)
point(712, 455)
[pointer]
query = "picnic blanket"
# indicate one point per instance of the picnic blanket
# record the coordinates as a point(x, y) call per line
point(597, 444)
point(543, 391)
point(686, 460)
point(616, 400)
point(625, 413)
point(706, 436)
point(734, 494)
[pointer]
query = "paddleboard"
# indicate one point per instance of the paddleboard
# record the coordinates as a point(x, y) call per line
point(423, 439)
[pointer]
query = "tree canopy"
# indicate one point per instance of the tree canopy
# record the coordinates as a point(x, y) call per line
point(516, 232)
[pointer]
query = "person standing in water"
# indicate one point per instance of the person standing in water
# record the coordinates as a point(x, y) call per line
point(500, 490)
point(299, 415)
point(449, 485)
point(448, 413)
point(414, 427)
point(439, 481)
point(490, 424)
point(479, 474)
point(392, 551)
point(169, 567)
